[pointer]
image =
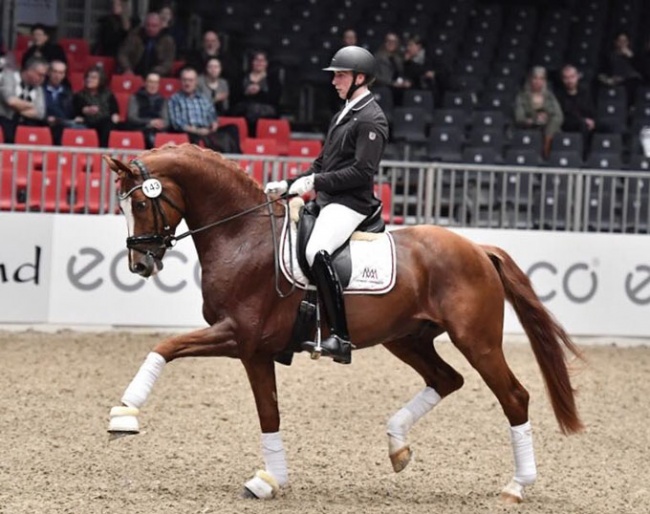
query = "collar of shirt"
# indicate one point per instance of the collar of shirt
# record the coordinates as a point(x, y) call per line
point(350, 104)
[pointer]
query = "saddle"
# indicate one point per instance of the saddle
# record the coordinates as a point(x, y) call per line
point(305, 323)
point(341, 257)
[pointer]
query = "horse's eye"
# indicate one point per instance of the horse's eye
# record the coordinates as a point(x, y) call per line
point(140, 206)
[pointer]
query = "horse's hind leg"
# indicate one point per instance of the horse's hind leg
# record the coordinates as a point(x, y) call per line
point(483, 349)
point(440, 379)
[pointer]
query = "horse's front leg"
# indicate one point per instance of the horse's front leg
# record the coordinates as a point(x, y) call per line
point(266, 483)
point(215, 341)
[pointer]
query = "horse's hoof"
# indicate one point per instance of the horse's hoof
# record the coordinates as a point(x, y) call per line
point(263, 486)
point(247, 494)
point(401, 458)
point(124, 421)
point(513, 493)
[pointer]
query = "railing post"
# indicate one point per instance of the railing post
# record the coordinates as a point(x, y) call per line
point(578, 200)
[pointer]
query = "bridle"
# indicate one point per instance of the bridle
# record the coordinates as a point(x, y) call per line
point(159, 238)
point(166, 239)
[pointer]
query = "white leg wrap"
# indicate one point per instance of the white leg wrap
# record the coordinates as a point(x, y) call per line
point(521, 437)
point(403, 420)
point(140, 387)
point(262, 485)
point(275, 459)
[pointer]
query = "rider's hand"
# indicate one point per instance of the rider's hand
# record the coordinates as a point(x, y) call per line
point(276, 188)
point(302, 185)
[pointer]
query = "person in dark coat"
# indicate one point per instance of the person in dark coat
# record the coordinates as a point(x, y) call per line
point(42, 47)
point(576, 102)
point(59, 109)
point(343, 178)
point(147, 110)
point(113, 28)
point(95, 106)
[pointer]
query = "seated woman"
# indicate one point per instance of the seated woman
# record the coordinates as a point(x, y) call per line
point(95, 106)
point(261, 92)
point(537, 107)
point(213, 86)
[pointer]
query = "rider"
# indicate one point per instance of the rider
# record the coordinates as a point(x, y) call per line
point(343, 178)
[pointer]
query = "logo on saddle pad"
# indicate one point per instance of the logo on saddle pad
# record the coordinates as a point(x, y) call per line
point(372, 259)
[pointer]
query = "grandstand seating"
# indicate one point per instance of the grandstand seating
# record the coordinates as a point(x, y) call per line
point(162, 138)
point(277, 129)
point(126, 139)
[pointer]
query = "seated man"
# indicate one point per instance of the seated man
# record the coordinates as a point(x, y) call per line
point(147, 49)
point(59, 110)
point(576, 103)
point(194, 114)
point(22, 100)
point(148, 110)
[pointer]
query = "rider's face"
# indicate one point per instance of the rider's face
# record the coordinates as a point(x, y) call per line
point(342, 81)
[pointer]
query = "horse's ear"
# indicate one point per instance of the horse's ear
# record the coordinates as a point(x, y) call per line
point(117, 166)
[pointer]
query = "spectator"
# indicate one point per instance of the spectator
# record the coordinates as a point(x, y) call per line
point(390, 63)
point(349, 37)
point(213, 86)
point(173, 28)
point(211, 47)
point(42, 47)
point(261, 92)
point(95, 106)
point(194, 114)
point(147, 49)
point(644, 61)
point(537, 107)
point(621, 68)
point(113, 28)
point(148, 110)
point(22, 100)
point(59, 109)
point(420, 71)
point(576, 103)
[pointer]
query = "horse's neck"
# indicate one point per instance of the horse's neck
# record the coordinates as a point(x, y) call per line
point(217, 197)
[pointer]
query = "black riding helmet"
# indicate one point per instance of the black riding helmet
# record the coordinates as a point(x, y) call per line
point(357, 60)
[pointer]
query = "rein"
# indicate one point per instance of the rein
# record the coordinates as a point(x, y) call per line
point(153, 191)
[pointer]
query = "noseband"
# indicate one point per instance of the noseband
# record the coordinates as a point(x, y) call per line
point(162, 239)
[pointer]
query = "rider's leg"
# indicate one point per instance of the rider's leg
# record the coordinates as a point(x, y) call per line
point(333, 227)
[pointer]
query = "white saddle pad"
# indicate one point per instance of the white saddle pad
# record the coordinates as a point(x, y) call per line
point(374, 267)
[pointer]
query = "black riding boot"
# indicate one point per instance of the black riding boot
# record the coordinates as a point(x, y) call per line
point(337, 345)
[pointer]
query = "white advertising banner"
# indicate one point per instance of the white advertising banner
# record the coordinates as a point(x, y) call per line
point(594, 284)
point(25, 257)
point(73, 270)
point(92, 284)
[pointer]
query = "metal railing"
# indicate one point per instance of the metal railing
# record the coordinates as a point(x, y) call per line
point(77, 180)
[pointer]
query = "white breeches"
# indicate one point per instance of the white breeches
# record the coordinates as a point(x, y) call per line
point(333, 227)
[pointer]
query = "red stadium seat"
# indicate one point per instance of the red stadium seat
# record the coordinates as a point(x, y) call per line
point(18, 57)
point(76, 79)
point(279, 129)
point(23, 42)
point(125, 83)
point(84, 138)
point(100, 61)
point(123, 104)
point(19, 162)
point(304, 148)
point(255, 169)
point(13, 195)
point(177, 66)
point(239, 122)
point(41, 136)
point(169, 86)
point(162, 138)
point(260, 146)
point(76, 51)
point(2, 136)
point(92, 193)
point(126, 139)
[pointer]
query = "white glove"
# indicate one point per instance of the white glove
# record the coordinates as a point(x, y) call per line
point(302, 185)
point(276, 188)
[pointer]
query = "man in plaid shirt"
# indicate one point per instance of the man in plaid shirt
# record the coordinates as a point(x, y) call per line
point(191, 112)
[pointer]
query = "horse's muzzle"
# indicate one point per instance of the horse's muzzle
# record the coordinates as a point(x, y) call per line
point(147, 265)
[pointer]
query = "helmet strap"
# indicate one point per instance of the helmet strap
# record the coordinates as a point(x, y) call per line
point(353, 86)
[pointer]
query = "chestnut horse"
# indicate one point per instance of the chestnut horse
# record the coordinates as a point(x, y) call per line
point(445, 283)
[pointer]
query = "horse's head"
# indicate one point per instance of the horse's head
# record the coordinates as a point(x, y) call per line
point(153, 206)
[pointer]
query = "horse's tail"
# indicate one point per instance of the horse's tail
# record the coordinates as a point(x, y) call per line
point(546, 337)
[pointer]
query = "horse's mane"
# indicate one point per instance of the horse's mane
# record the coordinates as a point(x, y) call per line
point(221, 163)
